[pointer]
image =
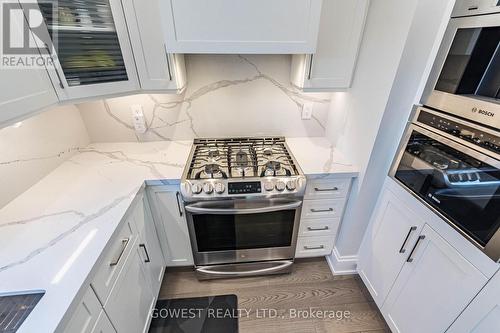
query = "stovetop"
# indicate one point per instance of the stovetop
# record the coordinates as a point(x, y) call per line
point(241, 166)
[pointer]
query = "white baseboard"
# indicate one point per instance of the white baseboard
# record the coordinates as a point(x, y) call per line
point(341, 265)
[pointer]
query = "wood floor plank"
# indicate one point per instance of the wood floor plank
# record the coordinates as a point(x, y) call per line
point(311, 285)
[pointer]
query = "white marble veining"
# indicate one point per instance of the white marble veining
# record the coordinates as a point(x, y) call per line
point(52, 235)
point(226, 95)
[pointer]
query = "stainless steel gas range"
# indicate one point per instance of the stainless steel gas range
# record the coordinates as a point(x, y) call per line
point(243, 199)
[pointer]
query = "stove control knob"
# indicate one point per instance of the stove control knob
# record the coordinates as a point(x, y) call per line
point(220, 188)
point(291, 185)
point(208, 188)
point(196, 188)
point(268, 186)
point(280, 186)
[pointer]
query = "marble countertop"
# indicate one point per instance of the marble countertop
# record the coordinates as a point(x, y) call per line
point(52, 235)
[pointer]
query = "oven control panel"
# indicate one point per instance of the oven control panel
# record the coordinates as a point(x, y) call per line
point(244, 187)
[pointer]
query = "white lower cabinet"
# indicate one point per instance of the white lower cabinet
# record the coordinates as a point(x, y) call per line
point(420, 272)
point(434, 286)
point(125, 285)
point(171, 224)
point(131, 299)
point(386, 245)
point(483, 313)
point(86, 314)
point(103, 324)
point(149, 245)
point(321, 215)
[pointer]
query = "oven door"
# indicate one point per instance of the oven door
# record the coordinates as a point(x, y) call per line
point(243, 230)
point(465, 78)
point(459, 183)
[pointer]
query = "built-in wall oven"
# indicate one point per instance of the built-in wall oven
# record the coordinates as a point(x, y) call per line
point(453, 166)
point(256, 236)
point(465, 79)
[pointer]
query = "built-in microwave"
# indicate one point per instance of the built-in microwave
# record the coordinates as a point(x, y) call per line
point(465, 78)
point(453, 166)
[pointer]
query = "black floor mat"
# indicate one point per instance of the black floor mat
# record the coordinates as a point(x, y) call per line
point(215, 314)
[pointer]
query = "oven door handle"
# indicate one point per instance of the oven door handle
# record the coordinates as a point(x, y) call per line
point(236, 211)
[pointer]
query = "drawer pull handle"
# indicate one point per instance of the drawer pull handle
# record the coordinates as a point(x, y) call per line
point(115, 261)
point(314, 247)
point(410, 259)
point(146, 252)
point(402, 249)
point(335, 188)
point(317, 229)
point(321, 210)
point(473, 8)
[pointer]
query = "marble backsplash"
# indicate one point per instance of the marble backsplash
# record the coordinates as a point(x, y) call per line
point(226, 95)
point(33, 148)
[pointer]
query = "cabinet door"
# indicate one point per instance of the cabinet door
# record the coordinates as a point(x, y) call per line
point(483, 313)
point(434, 286)
point(157, 69)
point(244, 26)
point(89, 45)
point(103, 324)
point(391, 233)
point(332, 66)
point(131, 299)
point(24, 89)
point(172, 225)
point(85, 315)
point(149, 245)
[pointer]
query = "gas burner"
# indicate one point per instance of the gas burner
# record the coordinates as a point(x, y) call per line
point(211, 170)
point(274, 168)
point(213, 153)
point(241, 159)
point(268, 151)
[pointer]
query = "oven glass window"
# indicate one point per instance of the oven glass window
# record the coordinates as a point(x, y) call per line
point(462, 188)
point(472, 66)
point(219, 232)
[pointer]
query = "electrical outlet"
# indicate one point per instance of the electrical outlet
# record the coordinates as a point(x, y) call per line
point(138, 118)
point(307, 110)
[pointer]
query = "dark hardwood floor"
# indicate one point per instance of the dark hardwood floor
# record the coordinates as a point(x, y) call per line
point(343, 301)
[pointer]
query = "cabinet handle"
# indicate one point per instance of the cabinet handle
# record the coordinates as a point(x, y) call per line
point(318, 229)
point(321, 210)
point(177, 194)
point(168, 63)
point(309, 72)
point(326, 189)
point(473, 8)
point(55, 68)
point(410, 259)
point(146, 252)
point(402, 249)
point(115, 261)
point(314, 247)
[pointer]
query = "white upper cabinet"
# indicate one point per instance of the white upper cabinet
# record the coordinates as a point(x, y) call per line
point(243, 26)
point(332, 66)
point(24, 90)
point(157, 69)
point(89, 44)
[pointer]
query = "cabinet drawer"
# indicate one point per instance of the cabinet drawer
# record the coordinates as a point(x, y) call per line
point(314, 246)
point(85, 315)
point(319, 227)
point(114, 259)
point(312, 209)
point(327, 188)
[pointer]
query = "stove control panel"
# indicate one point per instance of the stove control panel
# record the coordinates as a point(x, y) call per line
point(216, 189)
point(244, 187)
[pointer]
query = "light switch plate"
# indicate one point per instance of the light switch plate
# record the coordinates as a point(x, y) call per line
point(307, 110)
point(138, 118)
